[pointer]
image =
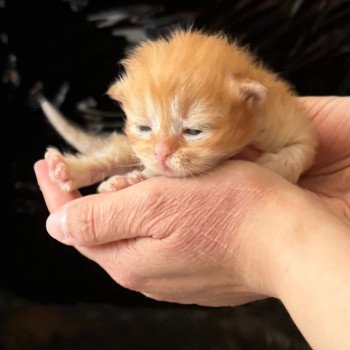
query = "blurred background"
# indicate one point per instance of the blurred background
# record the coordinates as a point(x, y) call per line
point(50, 296)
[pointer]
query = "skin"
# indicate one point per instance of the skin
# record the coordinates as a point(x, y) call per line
point(236, 235)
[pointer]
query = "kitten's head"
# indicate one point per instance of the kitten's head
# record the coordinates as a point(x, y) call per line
point(185, 111)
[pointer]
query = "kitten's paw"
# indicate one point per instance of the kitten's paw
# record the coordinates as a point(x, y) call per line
point(118, 182)
point(279, 164)
point(269, 160)
point(58, 170)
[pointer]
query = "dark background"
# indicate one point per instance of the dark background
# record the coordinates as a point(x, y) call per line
point(61, 46)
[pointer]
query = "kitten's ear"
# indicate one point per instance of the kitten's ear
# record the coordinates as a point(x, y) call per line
point(253, 93)
point(115, 91)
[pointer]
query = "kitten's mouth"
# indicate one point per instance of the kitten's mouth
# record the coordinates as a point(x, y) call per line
point(166, 170)
point(170, 170)
point(165, 167)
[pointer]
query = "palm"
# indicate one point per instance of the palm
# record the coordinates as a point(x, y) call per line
point(329, 178)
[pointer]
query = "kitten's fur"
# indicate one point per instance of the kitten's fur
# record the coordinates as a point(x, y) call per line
point(192, 101)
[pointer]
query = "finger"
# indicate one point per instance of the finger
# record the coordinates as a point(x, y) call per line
point(314, 104)
point(54, 197)
point(152, 208)
point(103, 218)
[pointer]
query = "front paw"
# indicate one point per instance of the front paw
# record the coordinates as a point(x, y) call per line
point(58, 170)
point(118, 182)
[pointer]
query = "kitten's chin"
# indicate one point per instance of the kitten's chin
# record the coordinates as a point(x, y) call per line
point(179, 172)
point(170, 172)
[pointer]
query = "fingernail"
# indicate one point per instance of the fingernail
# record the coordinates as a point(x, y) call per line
point(56, 225)
point(36, 173)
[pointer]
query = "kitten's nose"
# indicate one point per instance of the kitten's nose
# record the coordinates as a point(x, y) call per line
point(162, 151)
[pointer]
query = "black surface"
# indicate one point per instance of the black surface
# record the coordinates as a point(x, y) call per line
point(28, 326)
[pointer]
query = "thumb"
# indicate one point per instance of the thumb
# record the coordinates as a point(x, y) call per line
point(104, 218)
point(53, 195)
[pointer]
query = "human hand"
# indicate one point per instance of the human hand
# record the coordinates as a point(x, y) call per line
point(99, 229)
point(329, 178)
point(170, 239)
point(212, 240)
point(230, 237)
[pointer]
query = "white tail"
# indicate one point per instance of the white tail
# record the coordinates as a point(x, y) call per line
point(81, 140)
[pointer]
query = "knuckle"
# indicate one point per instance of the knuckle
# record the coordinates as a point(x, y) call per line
point(85, 218)
point(150, 193)
point(148, 206)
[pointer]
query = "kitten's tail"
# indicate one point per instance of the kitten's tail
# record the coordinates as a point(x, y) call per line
point(81, 140)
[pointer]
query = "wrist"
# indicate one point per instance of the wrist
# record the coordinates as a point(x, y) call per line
point(281, 245)
point(311, 277)
point(316, 240)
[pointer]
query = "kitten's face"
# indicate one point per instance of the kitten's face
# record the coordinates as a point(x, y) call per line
point(181, 138)
point(184, 116)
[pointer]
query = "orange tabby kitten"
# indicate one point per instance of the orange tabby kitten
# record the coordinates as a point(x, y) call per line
point(192, 101)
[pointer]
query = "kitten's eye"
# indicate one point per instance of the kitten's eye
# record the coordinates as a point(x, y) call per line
point(192, 132)
point(144, 128)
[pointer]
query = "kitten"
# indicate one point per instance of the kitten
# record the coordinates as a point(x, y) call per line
point(192, 101)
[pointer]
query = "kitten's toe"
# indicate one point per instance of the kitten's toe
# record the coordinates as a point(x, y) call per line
point(279, 164)
point(116, 183)
point(135, 177)
point(58, 171)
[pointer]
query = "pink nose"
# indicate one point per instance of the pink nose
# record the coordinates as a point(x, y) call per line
point(162, 151)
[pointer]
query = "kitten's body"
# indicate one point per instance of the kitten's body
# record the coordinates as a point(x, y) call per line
point(192, 102)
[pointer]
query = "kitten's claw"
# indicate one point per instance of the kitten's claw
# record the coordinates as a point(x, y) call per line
point(118, 182)
point(58, 171)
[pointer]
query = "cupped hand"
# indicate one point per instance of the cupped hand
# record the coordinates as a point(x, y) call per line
point(174, 239)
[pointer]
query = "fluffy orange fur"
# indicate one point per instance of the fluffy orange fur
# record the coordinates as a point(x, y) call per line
point(194, 100)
